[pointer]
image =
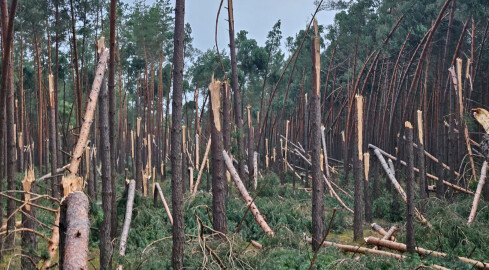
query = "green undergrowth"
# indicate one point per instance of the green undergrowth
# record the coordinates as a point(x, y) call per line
point(288, 213)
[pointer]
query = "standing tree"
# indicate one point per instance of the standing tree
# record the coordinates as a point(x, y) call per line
point(238, 114)
point(219, 183)
point(317, 177)
point(410, 189)
point(358, 169)
point(176, 137)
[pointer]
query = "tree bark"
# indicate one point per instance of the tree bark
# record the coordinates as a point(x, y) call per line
point(105, 227)
point(176, 137)
point(423, 195)
point(238, 114)
point(74, 232)
point(219, 183)
point(410, 189)
point(112, 124)
point(478, 192)
point(317, 183)
point(53, 138)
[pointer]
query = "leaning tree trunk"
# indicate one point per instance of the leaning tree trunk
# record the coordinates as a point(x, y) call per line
point(317, 181)
point(176, 137)
point(219, 183)
point(238, 115)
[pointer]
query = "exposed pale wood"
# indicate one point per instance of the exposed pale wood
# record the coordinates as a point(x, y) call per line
point(482, 116)
point(127, 217)
point(422, 251)
point(199, 176)
point(249, 201)
point(376, 227)
point(255, 170)
point(26, 185)
point(53, 242)
point(167, 209)
point(461, 189)
point(398, 187)
point(256, 244)
point(478, 192)
point(68, 185)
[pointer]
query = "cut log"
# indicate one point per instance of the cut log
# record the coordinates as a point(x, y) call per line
point(388, 235)
point(75, 229)
point(478, 192)
point(376, 227)
point(422, 251)
point(249, 201)
point(398, 187)
point(127, 218)
point(167, 209)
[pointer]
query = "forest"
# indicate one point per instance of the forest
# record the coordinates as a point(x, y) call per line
point(361, 144)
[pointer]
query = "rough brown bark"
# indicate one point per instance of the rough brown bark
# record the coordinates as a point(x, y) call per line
point(53, 137)
point(421, 160)
point(74, 232)
point(78, 91)
point(112, 124)
point(219, 183)
point(176, 137)
point(105, 227)
point(317, 183)
point(410, 189)
point(238, 114)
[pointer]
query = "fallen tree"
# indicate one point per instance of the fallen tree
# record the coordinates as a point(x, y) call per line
point(242, 189)
point(478, 192)
point(422, 251)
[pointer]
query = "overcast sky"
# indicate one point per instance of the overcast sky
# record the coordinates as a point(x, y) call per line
point(255, 16)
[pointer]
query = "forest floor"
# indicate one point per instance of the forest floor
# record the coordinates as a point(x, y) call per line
point(289, 215)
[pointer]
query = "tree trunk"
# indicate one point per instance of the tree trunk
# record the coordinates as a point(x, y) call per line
point(53, 138)
point(219, 183)
point(176, 137)
point(246, 196)
point(358, 169)
point(112, 124)
point(423, 195)
point(160, 192)
point(317, 182)
point(238, 115)
point(78, 91)
point(410, 189)
point(127, 218)
point(478, 192)
point(105, 227)
point(74, 232)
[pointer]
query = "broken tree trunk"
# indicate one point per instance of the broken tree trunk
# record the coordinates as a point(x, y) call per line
point(199, 176)
point(421, 160)
point(422, 251)
point(74, 231)
point(167, 209)
point(249, 201)
point(358, 169)
point(478, 192)
point(410, 189)
point(398, 187)
point(458, 188)
point(376, 227)
point(388, 235)
point(127, 218)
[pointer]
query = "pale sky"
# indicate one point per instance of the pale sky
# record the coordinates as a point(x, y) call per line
point(255, 16)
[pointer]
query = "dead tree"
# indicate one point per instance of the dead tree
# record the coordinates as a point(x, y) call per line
point(317, 182)
point(410, 189)
point(53, 138)
point(176, 137)
point(478, 192)
point(219, 183)
point(238, 115)
point(127, 218)
point(421, 160)
point(358, 169)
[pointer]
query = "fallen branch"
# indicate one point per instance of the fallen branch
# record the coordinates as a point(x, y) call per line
point(202, 166)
